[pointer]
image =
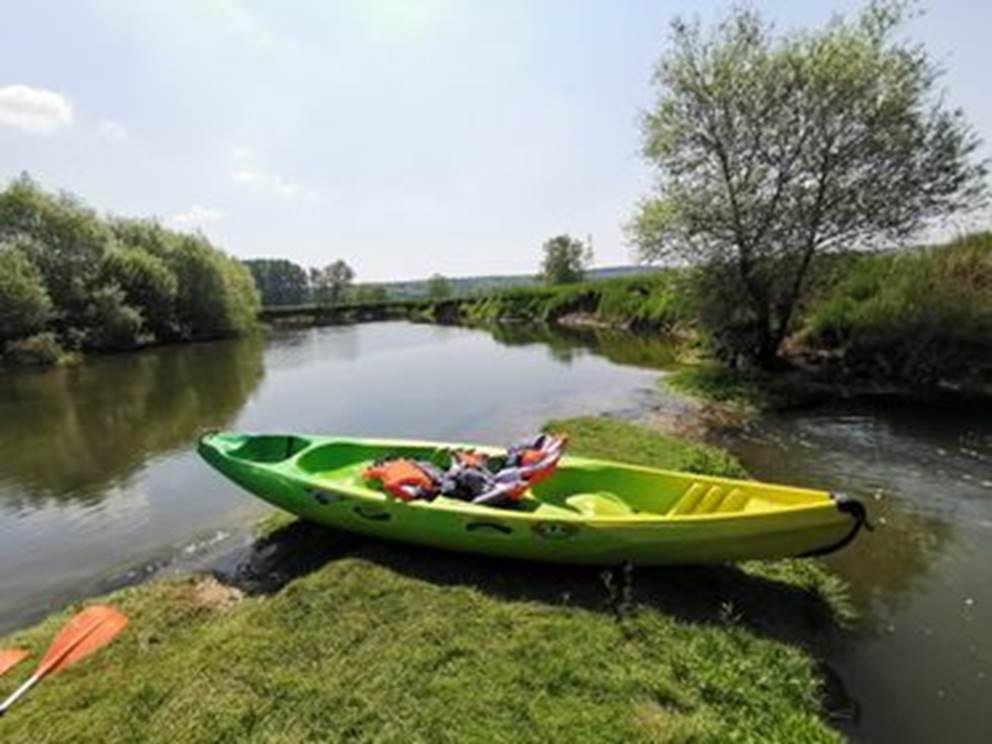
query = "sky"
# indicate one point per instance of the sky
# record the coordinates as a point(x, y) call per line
point(405, 136)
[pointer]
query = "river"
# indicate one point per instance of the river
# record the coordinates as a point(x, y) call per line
point(100, 487)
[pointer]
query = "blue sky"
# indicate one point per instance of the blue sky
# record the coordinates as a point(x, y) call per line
point(406, 137)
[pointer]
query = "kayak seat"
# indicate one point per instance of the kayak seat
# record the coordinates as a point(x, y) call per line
point(705, 498)
point(600, 504)
point(269, 448)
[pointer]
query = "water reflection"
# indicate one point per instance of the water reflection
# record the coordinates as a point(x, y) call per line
point(73, 434)
point(566, 344)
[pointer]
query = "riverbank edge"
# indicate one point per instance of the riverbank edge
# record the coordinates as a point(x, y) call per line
point(704, 652)
point(74, 358)
point(805, 380)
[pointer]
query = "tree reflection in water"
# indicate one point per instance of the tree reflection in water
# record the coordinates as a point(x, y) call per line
point(72, 434)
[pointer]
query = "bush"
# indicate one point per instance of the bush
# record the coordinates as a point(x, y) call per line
point(63, 238)
point(40, 350)
point(24, 304)
point(111, 284)
point(217, 295)
point(113, 324)
point(918, 316)
point(148, 285)
point(655, 301)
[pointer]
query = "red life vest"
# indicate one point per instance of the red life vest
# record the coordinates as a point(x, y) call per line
point(535, 455)
point(404, 479)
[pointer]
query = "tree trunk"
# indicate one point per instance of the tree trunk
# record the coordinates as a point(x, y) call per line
point(767, 352)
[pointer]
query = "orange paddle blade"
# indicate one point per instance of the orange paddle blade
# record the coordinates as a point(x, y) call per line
point(89, 631)
point(9, 657)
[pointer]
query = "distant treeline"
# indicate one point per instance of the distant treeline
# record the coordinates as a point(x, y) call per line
point(282, 282)
point(71, 280)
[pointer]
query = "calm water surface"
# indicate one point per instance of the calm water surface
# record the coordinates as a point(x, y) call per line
point(99, 484)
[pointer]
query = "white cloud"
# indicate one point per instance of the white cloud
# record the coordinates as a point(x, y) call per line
point(249, 176)
point(34, 110)
point(271, 182)
point(197, 215)
point(244, 154)
point(112, 130)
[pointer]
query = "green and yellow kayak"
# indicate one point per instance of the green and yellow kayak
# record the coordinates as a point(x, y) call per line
point(589, 511)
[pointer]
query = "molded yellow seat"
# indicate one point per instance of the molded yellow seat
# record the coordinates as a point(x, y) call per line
point(598, 505)
point(701, 498)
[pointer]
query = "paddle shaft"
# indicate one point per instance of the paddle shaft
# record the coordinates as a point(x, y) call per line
point(16, 694)
point(44, 669)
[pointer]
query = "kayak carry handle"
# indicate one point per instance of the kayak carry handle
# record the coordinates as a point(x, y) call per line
point(489, 527)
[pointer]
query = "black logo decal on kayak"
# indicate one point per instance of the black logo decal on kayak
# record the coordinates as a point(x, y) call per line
point(372, 514)
point(555, 530)
point(324, 497)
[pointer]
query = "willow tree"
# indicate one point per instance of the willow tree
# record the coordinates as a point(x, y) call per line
point(772, 148)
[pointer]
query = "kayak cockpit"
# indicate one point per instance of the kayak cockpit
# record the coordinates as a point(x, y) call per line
point(267, 449)
point(579, 488)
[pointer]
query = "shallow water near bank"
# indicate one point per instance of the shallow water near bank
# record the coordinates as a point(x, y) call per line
point(919, 661)
point(99, 485)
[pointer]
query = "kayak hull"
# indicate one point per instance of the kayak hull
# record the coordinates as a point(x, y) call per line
point(590, 512)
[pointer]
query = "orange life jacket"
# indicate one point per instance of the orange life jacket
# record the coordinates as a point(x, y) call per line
point(533, 455)
point(470, 458)
point(401, 478)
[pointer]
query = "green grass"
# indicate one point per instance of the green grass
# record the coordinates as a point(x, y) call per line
point(917, 316)
point(748, 391)
point(656, 301)
point(611, 439)
point(363, 640)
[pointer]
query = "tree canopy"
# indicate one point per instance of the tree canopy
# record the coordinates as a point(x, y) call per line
point(773, 148)
point(110, 283)
point(25, 306)
point(329, 283)
point(565, 260)
point(370, 293)
point(439, 287)
point(280, 281)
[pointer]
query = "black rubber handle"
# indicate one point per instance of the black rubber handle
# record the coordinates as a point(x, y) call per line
point(489, 526)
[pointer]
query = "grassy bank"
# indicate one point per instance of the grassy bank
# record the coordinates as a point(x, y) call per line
point(654, 301)
point(750, 391)
point(347, 638)
point(922, 317)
